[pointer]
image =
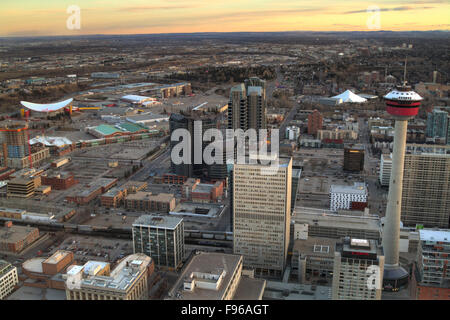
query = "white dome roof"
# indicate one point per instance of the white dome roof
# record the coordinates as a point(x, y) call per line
point(46, 107)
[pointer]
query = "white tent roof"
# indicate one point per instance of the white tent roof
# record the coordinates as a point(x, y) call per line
point(349, 96)
point(46, 107)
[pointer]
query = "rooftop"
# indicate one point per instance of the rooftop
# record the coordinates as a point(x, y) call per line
point(14, 233)
point(358, 188)
point(207, 262)
point(168, 222)
point(316, 246)
point(435, 235)
point(142, 195)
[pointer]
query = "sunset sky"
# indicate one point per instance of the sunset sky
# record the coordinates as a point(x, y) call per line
point(48, 17)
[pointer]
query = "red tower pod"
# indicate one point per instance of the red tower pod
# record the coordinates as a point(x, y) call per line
point(403, 103)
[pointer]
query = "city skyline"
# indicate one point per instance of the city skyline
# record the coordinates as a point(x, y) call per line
point(180, 16)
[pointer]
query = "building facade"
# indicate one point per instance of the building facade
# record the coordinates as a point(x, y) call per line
point(161, 238)
point(8, 279)
point(352, 260)
point(261, 215)
point(344, 197)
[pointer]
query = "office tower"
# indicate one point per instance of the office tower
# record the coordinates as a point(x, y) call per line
point(247, 105)
point(161, 238)
point(432, 274)
point(403, 104)
point(95, 281)
point(261, 211)
point(385, 169)
point(352, 260)
point(354, 157)
point(348, 197)
point(8, 278)
point(438, 123)
point(216, 276)
point(181, 121)
point(426, 189)
point(315, 122)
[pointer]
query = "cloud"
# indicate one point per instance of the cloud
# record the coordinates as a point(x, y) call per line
point(402, 8)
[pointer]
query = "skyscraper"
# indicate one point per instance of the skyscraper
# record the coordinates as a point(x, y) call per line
point(261, 211)
point(426, 190)
point(247, 106)
point(181, 121)
point(438, 124)
point(403, 104)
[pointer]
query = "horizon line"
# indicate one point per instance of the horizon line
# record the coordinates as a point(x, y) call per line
point(218, 32)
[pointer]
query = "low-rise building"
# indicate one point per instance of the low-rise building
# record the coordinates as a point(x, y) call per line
point(146, 201)
point(16, 238)
point(216, 276)
point(348, 197)
point(94, 281)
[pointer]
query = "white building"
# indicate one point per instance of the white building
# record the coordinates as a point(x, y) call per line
point(341, 197)
point(292, 133)
point(8, 278)
point(385, 169)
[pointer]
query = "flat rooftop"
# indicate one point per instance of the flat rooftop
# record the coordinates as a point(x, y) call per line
point(435, 235)
point(167, 222)
point(357, 188)
point(317, 246)
point(197, 209)
point(207, 262)
point(142, 195)
point(292, 291)
point(325, 218)
point(14, 233)
point(57, 256)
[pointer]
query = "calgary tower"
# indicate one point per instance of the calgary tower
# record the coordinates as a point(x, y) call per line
point(403, 104)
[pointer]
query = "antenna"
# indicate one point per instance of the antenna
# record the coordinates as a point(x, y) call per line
point(404, 72)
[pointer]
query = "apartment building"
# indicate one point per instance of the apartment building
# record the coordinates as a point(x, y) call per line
point(348, 197)
point(351, 279)
point(8, 278)
point(161, 238)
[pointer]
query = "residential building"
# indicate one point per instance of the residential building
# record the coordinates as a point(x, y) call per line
point(348, 197)
point(355, 262)
point(431, 276)
point(315, 122)
point(161, 238)
point(385, 169)
point(354, 157)
point(8, 279)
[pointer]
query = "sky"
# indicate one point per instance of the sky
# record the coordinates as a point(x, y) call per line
point(52, 17)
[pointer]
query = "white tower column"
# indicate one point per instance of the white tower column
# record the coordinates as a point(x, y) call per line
point(391, 231)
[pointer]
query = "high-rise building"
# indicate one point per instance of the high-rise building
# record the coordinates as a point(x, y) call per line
point(261, 211)
point(247, 106)
point(426, 189)
point(385, 169)
point(8, 278)
point(438, 123)
point(161, 238)
point(353, 261)
point(315, 122)
point(95, 281)
point(354, 157)
point(432, 274)
point(403, 104)
point(180, 121)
